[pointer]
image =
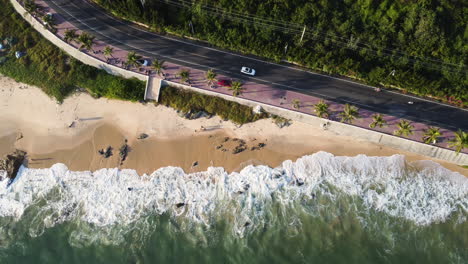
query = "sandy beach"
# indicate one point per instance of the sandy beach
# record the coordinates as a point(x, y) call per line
point(73, 132)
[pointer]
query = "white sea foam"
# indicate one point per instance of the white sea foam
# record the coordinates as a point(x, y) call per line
point(423, 192)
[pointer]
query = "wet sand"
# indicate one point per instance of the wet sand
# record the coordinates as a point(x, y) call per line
point(193, 154)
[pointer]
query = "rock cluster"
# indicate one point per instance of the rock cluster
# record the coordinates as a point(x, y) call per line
point(12, 162)
point(193, 114)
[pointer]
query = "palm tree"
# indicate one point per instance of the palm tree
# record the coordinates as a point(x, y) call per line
point(158, 66)
point(30, 6)
point(431, 135)
point(48, 21)
point(108, 51)
point(70, 35)
point(378, 121)
point(210, 77)
point(404, 128)
point(86, 41)
point(184, 75)
point(296, 103)
point(350, 112)
point(132, 59)
point(321, 109)
point(236, 88)
point(460, 141)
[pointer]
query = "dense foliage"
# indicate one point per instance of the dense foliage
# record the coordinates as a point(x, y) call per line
point(189, 101)
point(49, 68)
point(424, 41)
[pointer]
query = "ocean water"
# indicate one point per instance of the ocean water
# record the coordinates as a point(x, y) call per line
point(318, 209)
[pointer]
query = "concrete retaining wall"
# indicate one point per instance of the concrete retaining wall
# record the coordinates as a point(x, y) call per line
point(344, 129)
point(83, 57)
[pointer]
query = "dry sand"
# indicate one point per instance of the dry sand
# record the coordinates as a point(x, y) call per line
point(173, 141)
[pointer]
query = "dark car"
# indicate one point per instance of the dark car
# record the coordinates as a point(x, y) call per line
point(226, 83)
point(143, 62)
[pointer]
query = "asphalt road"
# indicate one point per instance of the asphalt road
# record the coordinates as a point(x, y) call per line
point(96, 21)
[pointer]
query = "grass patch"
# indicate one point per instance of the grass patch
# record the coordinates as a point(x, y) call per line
point(187, 100)
point(51, 69)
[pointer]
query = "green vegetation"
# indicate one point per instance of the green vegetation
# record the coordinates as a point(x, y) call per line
point(431, 135)
point(236, 88)
point(48, 21)
point(86, 40)
point(49, 68)
point(404, 128)
point(296, 103)
point(30, 6)
point(419, 46)
point(350, 112)
point(190, 101)
point(70, 35)
point(210, 77)
point(321, 109)
point(132, 59)
point(108, 51)
point(377, 120)
point(460, 141)
point(184, 75)
point(158, 66)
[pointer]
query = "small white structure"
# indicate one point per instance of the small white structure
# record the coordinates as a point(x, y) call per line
point(257, 109)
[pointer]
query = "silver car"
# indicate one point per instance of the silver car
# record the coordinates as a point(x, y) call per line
point(248, 71)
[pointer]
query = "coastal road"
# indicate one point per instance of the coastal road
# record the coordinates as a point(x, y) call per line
point(193, 54)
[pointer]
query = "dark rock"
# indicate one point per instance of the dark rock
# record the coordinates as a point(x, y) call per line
point(198, 115)
point(246, 224)
point(123, 152)
point(12, 162)
point(261, 145)
point(108, 152)
point(253, 148)
point(235, 139)
point(226, 139)
point(195, 164)
point(220, 146)
point(179, 205)
point(299, 182)
point(142, 136)
point(130, 188)
point(239, 149)
point(101, 152)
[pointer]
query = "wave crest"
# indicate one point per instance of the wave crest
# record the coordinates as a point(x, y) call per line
point(423, 192)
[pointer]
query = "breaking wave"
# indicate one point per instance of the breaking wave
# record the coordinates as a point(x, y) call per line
point(421, 192)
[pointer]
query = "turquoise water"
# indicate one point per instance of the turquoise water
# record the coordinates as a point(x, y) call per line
point(319, 209)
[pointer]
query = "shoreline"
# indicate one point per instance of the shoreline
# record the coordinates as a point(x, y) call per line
point(172, 141)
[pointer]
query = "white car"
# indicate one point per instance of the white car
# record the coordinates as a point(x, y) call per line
point(248, 71)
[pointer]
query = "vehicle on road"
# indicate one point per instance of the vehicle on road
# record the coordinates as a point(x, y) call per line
point(225, 83)
point(248, 71)
point(143, 62)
